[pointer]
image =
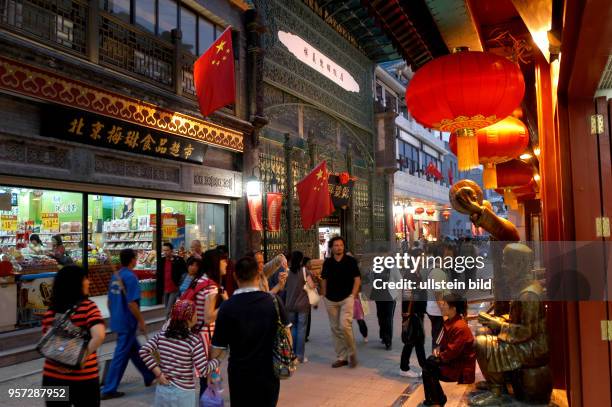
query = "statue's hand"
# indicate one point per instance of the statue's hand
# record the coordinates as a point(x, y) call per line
point(466, 197)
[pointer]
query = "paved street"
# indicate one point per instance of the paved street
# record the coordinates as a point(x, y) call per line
point(374, 383)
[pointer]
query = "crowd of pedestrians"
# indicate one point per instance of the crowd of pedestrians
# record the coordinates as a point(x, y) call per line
point(216, 306)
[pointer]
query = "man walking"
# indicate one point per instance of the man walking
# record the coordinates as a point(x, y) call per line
point(247, 325)
point(125, 318)
point(174, 269)
point(340, 286)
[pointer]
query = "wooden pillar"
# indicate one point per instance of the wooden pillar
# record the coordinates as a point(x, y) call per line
point(93, 31)
point(250, 157)
point(351, 225)
point(177, 77)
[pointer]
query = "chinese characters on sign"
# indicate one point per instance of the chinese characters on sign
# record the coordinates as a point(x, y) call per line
point(339, 192)
point(9, 223)
point(50, 222)
point(315, 59)
point(101, 131)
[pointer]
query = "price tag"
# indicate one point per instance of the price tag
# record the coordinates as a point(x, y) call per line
point(169, 228)
point(50, 222)
point(9, 223)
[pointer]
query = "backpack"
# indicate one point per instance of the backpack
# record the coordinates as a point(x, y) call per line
point(191, 292)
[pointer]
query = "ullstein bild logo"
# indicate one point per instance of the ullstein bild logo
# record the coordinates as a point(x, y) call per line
point(318, 61)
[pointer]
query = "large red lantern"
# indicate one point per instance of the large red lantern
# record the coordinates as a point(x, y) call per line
point(514, 173)
point(463, 92)
point(419, 211)
point(430, 211)
point(500, 142)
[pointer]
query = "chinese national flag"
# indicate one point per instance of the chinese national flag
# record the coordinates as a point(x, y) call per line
point(213, 74)
point(313, 193)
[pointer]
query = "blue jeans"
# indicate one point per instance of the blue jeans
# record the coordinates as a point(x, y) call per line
point(298, 332)
point(172, 396)
point(126, 349)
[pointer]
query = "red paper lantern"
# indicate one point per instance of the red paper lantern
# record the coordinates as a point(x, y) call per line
point(446, 214)
point(497, 143)
point(514, 173)
point(419, 211)
point(464, 92)
point(430, 212)
point(344, 178)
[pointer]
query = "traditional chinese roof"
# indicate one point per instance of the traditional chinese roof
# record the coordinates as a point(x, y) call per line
point(385, 30)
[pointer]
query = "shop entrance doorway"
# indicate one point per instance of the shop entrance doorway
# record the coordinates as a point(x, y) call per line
point(325, 235)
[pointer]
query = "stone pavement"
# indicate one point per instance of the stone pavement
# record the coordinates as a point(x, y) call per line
point(375, 382)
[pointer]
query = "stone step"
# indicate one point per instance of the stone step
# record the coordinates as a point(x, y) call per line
point(20, 346)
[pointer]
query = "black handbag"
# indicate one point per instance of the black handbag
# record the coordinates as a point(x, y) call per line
point(65, 343)
point(413, 332)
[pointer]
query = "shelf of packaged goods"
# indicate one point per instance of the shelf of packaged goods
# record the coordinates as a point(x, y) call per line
point(128, 240)
point(128, 231)
point(133, 248)
point(60, 233)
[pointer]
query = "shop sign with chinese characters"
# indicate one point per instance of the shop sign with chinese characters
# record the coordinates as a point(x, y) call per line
point(101, 131)
point(340, 192)
point(318, 61)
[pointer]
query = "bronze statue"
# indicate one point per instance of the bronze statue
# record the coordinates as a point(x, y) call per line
point(517, 343)
point(466, 197)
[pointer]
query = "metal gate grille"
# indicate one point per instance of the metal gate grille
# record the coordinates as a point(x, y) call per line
point(362, 210)
point(272, 166)
point(305, 241)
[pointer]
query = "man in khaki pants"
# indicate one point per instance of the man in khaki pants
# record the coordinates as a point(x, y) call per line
point(340, 286)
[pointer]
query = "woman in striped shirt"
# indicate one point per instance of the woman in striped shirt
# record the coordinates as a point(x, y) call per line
point(179, 351)
point(70, 289)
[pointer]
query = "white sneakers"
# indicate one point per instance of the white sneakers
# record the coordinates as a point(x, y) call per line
point(409, 373)
point(365, 340)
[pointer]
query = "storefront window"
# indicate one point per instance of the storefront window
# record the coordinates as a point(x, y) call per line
point(118, 223)
point(40, 231)
point(183, 222)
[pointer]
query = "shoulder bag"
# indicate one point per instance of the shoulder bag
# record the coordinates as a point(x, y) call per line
point(313, 295)
point(283, 359)
point(65, 343)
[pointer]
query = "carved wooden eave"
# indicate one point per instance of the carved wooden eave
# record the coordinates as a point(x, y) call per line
point(22, 79)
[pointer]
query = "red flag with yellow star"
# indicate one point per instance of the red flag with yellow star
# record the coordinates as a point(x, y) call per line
point(313, 193)
point(213, 74)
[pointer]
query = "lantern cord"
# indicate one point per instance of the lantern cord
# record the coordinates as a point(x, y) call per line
point(467, 149)
point(489, 176)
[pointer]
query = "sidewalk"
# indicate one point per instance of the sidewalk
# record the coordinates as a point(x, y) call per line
point(375, 382)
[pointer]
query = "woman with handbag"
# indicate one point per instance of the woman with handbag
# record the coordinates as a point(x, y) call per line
point(301, 294)
point(72, 322)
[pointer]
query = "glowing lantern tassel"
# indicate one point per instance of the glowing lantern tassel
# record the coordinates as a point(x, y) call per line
point(489, 176)
point(510, 199)
point(467, 149)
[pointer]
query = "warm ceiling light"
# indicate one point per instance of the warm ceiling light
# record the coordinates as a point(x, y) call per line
point(536, 151)
point(525, 156)
point(536, 177)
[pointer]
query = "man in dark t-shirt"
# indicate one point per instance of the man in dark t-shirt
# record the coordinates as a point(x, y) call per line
point(246, 324)
point(340, 286)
